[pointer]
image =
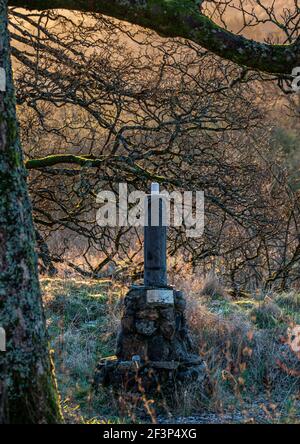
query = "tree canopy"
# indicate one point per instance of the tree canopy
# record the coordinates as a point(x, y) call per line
point(183, 18)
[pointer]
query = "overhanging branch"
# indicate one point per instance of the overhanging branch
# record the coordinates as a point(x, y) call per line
point(48, 161)
point(181, 18)
point(91, 162)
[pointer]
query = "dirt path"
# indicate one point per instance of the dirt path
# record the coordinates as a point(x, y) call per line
point(257, 413)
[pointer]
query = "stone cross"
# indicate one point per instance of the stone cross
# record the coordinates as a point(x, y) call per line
point(155, 240)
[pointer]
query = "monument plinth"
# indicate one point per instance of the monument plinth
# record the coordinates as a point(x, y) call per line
point(154, 351)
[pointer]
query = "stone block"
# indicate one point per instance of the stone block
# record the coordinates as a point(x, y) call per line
point(167, 313)
point(158, 348)
point(135, 299)
point(167, 329)
point(167, 365)
point(130, 345)
point(145, 327)
point(178, 322)
point(150, 314)
point(127, 324)
point(179, 300)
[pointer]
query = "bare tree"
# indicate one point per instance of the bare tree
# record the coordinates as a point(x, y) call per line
point(184, 18)
point(151, 109)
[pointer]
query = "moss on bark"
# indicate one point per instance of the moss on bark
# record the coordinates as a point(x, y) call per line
point(181, 18)
point(28, 392)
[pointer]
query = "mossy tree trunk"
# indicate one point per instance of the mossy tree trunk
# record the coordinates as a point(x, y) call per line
point(27, 386)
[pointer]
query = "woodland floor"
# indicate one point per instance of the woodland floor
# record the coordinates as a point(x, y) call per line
point(254, 374)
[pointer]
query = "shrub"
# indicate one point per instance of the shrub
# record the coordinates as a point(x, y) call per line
point(289, 301)
point(266, 315)
point(213, 287)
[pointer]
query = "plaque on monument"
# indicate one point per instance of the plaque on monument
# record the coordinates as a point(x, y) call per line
point(160, 296)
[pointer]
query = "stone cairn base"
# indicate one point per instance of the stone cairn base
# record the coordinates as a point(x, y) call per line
point(154, 353)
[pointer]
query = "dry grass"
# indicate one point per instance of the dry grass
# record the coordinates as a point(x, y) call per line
point(213, 287)
point(267, 314)
point(83, 318)
point(289, 301)
point(245, 358)
point(242, 341)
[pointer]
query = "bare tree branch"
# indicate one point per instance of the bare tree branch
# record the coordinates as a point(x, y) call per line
point(182, 18)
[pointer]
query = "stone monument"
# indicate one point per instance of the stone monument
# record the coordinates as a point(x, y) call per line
point(154, 353)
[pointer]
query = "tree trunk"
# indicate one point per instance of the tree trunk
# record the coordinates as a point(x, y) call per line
point(28, 392)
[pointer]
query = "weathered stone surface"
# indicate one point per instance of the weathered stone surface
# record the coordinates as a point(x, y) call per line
point(167, 313)
point(195, 373)
point(150, 314)
point(131, 382)
point(129, 312)
point(168, 365)
point(160, 296)
point(135, 299)
point(178, 321)
point(161, 328)
point(145, 327)
point(167, 329)
point(192, 359)
point(153, 348)
point(125, 366)
point(129, 345)
point(179, 300)
point(179, 350)
point(158, 348)
point(127, 324)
